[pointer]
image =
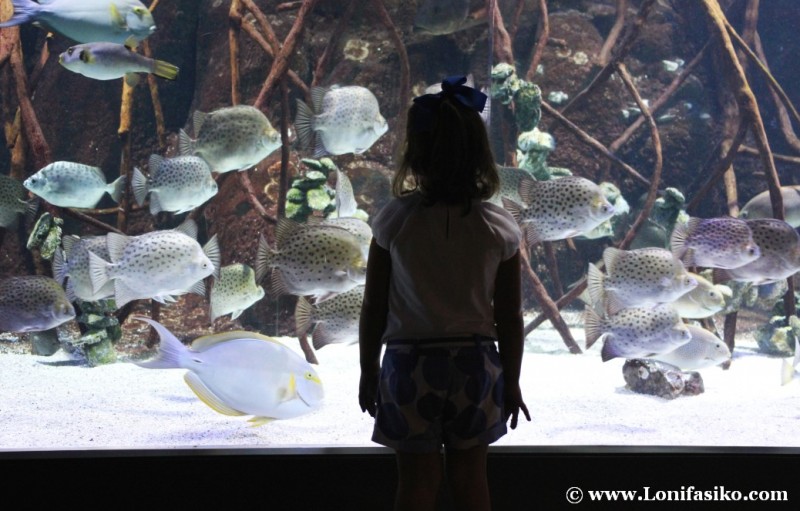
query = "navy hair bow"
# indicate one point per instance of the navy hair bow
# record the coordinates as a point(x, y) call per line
point(452, 87)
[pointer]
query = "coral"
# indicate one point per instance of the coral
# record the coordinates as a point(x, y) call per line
point(46, 235)
point(356, 49)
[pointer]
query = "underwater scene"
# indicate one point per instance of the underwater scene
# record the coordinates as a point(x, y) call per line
point(187, 186)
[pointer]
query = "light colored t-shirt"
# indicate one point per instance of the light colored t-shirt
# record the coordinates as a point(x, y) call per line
point(444, 266)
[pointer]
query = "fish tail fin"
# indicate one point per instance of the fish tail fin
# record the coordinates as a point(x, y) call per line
point(24, 11)
point(592, 325)
point(98, 271)
point(595, 279)
point(171, 352)
point(165, 70)
point(185, 143)
point(59, 266)
point(302, 316)
point(304, 124)
point(263, 258)
point(677, 240)
point(139, 185)
point(211, 250)
point(117, 188)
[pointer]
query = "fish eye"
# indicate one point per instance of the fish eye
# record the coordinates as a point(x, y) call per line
point(309, 376)
point(139, 11)
point(70, 51)
point(752, 251)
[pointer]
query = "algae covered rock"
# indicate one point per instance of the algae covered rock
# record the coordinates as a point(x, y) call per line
point(662, 380)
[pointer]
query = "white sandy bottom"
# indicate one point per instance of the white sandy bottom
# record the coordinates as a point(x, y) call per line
point(48, 404)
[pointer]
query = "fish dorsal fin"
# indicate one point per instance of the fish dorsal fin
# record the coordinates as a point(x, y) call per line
point(116, 243)
point(284, 230)
point(527, 190)
point(154, 163)
point(290, 392)
point(198, 119)
point(593, 326)
point(69, 242)
point(211, 250)
point(260, 421)
point(189, 228)
point(610, 257)
point(206, 396)
point(207, 341)
point(317, 97)
point(346, 204)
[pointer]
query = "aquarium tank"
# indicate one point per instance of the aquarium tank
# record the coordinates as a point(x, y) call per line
point(187, 187)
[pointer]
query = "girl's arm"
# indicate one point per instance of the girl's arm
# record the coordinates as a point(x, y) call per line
point(372, 324)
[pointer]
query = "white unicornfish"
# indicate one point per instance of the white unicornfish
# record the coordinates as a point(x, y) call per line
point(703, 350)
point(242, 373)
point(109, 61)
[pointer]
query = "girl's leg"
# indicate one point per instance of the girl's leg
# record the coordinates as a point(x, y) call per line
point(419, 478)
point(466, 476)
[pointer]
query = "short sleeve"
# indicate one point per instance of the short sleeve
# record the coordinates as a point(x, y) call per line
point(504, 227)
point(389, 220)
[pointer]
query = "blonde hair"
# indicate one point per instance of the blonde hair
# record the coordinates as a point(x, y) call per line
point(449, 160)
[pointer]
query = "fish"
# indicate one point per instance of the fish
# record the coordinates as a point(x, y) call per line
point(640, 277)
point(335, 320)
point(87, 21)
point(721, 242)
point(345, 120)
point(109, 61)
point(346, 209)
point(760, 206)
point(703, 301)
point(241, 373)
point(559, 208)
point(780, 254)
point(442, 17)
point(231, 138)
point(789, 369)
point(704, 350)
point(234, 291)
point(33, 303)
point(156, 265)
point(510, 178)
point(176, 184)
point(311, 259)
point(73, 262)
point(13, 202)
point(636, 332)
point(73, 185)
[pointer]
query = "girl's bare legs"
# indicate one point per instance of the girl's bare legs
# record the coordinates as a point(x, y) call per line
point(418, 482)
point(466, 476)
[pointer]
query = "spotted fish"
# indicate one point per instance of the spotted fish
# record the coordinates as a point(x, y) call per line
point(231, 138)
point(721, 242)
point(703, 301)
point(636, 332)
point(335, 320)
point(175, 184)
point(344, 119)
point(703, 350)
point(32, 303)
point(641, 277)
point(311, 260)
point(780, 254)
point(156, 265)
point(559, 208)
point(73, 185)
point(13, 202)
point(510, 179)
point(73, 262)
point(234, 291)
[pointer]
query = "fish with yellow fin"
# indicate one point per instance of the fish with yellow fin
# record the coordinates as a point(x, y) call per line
point(241, 373)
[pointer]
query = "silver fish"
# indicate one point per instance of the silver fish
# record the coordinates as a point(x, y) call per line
point(231, 138)
point(335, 320)
point(780, 254)
point(85, 21)
point(441, 17)
point(721, 242)
point(175, 184)
point(703, 301)
point(242, 373)
point(32, 303)
point(156, 265)
point(345, 120)
point(311, 260)
point(760, 206)
point(73, 185)
point(13, 202)
point(73, 262)
point(109, 61)
point(510, 179)
point(636, 332)
point(559, 208)
point(641, 277)
point(704, 350)
point(234, 291)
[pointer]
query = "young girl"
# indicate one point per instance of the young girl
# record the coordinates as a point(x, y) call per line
point(443, 283)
